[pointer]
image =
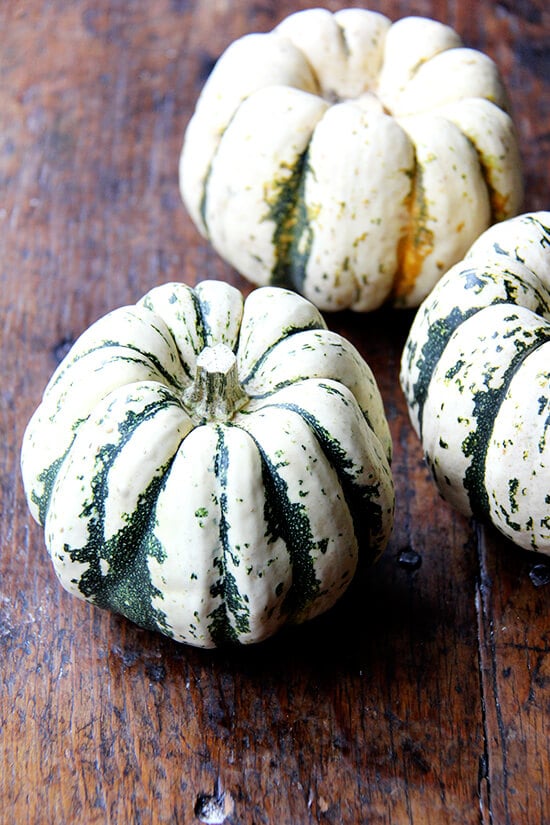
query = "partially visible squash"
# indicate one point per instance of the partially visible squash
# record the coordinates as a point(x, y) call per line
point(476, 376)
point(209, 468)
point(349, 158)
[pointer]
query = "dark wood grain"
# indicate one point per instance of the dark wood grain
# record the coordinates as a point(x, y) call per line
point(423, 697)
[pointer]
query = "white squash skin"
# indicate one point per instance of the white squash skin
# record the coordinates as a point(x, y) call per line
point(409, 43)
point(317, 354)
point(316, 491)
point(475, 376)
point(188, 526)
point(284, 338)
point(456, 292)
point(365, 37)
point(525, 239)
point(83, 380)
point(450, 207)
point(451, 76)
point(187, 522)
point(221, 312)
point(365, 452)
point(350, 211)
point(276, 61)
point(180, 311)
point(270, 314)
point(518, 457)
point(344, 49)
point(172, 523)
point(129, 322)
point(234, 204)
point(475, 361)
point(353, 187)
point(494, 136)
point(69, 516)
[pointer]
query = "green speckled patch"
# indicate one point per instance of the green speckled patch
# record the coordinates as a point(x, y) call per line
point(292, 237)
point(442, 329)
point(47, 479)
point(487, 402)
point(544, 406)
point(289, 521)
point(126, 586)
point(365, 511)
point(231, 618)
point(437, 339)
point(259, 362)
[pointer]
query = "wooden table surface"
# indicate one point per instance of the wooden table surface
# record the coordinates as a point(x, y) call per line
point(423, 697)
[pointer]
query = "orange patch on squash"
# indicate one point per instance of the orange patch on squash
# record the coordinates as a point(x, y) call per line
point(412, 251)
point(499, 205)
point(415, 245)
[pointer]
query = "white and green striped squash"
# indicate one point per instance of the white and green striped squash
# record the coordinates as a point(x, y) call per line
point(349, 158)
point(209, 467)
point(476, 376)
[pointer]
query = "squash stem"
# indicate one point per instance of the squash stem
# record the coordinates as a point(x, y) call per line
point(216, 393)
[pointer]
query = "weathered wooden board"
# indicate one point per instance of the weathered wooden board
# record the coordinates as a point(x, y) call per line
point(424, 696)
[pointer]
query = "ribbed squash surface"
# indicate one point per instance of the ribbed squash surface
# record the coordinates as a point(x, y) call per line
point(349, 158)
point(208, 468)
point(476, 375)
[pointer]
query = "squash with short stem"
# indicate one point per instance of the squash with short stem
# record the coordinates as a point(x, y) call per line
point(349, 158)
point(210, 468)
point(476, 376)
